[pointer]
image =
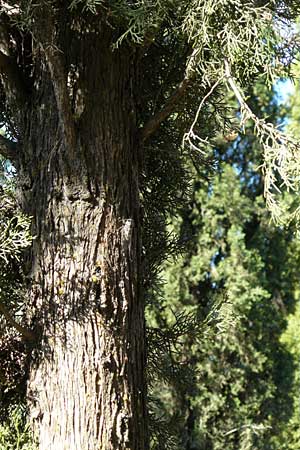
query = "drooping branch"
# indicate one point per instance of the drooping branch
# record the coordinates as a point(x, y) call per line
point(8, 148)
point(170, 106)
point(28, 335)
point(281, 154)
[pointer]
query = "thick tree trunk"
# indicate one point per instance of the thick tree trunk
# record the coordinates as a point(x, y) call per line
point(86, 387)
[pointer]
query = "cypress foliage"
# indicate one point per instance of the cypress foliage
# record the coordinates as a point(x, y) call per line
point(241, 270)
point(289, 439)
point(15, 238)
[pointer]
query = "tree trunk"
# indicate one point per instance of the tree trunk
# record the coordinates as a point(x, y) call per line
point(80, 183)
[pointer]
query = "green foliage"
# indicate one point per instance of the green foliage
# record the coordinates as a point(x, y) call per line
point(14, 228)
point(214, 40)
point(14, 432)
point(14, 239)
point(216, 29)
point(290, 437)
point(220, 29)
point(239, 392)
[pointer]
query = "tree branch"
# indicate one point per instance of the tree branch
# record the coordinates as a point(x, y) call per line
point(8, 148)
point(154, 122)
point(28, 335)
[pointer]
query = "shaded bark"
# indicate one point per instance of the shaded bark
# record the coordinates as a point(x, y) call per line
point(11, 77)
point(86, 387)
point(8, 148)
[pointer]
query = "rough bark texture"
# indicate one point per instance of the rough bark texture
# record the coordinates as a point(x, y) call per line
point(80, 179)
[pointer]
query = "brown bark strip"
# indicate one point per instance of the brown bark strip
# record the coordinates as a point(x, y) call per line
point(28, 335)
point(153, 124)
point(59, 80)
point(46, 35)
point(55, 60)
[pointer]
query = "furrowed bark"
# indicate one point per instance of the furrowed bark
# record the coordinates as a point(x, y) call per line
point(55, 58)
point(59, 79)
point(87, 386)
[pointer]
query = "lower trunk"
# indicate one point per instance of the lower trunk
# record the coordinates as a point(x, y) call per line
point(87, 379)
point(86, 386)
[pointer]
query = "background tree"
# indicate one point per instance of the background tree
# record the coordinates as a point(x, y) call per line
point(242, 393)
point(289, 439)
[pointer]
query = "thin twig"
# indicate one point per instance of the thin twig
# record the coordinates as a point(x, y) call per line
point(27, 334)
point(190, 134)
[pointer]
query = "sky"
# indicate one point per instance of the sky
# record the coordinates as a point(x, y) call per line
point(283, 89)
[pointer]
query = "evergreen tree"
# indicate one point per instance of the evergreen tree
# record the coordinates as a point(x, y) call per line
point(14, 240)
point(289, 439)
point(241, 397)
